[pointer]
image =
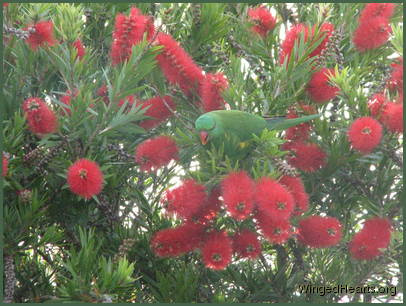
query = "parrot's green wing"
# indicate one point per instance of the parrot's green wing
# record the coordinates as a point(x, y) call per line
point(281, 123)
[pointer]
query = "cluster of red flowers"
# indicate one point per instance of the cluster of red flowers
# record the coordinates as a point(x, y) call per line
point(395, 82)
point(365, 134)
point(297, 132)
point(319, 232)
point(369, 242)
point(80, 49)
point(177, 66)
point(41, 119)
point(306, 156)
point(41, 35)
point(4, 165)
point(270, 203)
point(159, 109)
point(129, 31)
point(373, 30)
point(319, 88)
point(262, 19)
point(293, 36)
point(210, 91)
point(155, 153)
point(85, 178)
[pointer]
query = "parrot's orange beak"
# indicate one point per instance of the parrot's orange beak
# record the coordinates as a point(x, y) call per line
point(204, 137)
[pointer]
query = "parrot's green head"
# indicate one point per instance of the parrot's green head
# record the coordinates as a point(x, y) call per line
point(206, 126)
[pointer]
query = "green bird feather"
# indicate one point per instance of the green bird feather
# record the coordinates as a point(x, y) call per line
point(235, 129)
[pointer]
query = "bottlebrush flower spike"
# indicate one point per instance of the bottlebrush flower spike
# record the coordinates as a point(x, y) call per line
point(85, 178)
point(319, 232)
point(392, 117)
point(319, 88)
point(369, 242)
point(297, 189)
point(176, 65)
point(155, 153)
point(308, 157)
point(395, 82)
point(159, 109)
point(273, 199)
point(211, 89)
point(262, 19)
point(217, 250)
point(42, 35)
point(80, 49)
point(297, 132)
point(103, 92)
point(375, 105)
point(4, 165)
point(275, 230)
point(186, 200)
point(292, 35)
point(373, 10)
point(172, 242)
point(129, 31)
point(209, 210)
point(66, 99)
point(41, 119)
point(371, 34)
point(365, 134)
point(238, 194)
point(246, 244)
point(130, 99)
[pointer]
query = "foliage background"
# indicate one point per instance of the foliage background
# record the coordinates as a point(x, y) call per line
point(63, 248)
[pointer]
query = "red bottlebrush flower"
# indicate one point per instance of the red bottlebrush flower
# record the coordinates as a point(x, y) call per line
point(129, 31)
point(319, 232)
point(262, 19)
point(186, 200)
point(238, 194)
point(395, 82)
point(326, 29)
point(85, 178)
point(307, 109)
point(217, 250)
point(392, 117)
point(375, 104)
point(159, 109)
point(374, 236)
point(130, 100)
point(210, 91)
point(77, 44)
point(41, 119)
point(103, 92)
point(319, 89)
point(42, 35)
point(371, 34)
point(246, 244)
point(275, 230)
point(4, 165)
point(177, 66)
point(173, 242)
point(66, 99)
point(210, 209)
point(308, 157)
point(5, 4)
point(297, 189)
point(373, 10)
point(155, 153)
point(365, 134)
point(292, 36)
point(273, 199)
point(297, 132)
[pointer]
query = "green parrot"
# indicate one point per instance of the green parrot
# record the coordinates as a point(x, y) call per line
point(234, 129)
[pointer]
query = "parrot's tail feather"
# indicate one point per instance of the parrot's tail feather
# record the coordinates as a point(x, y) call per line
point(281, 123)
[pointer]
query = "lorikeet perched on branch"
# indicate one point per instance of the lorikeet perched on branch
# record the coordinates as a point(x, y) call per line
point(234, 129)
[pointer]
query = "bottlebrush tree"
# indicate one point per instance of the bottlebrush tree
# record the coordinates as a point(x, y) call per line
point(109, 194)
